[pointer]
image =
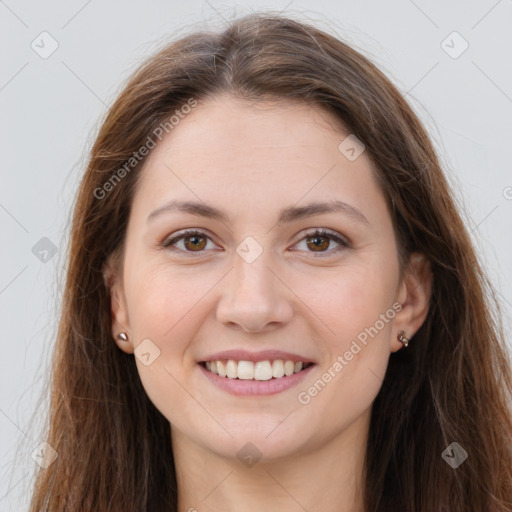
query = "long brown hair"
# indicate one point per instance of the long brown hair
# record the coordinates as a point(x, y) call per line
point(453, 382)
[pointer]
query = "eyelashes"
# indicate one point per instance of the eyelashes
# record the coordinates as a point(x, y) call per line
point(316, 234)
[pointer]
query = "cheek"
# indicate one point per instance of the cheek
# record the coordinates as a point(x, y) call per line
point(162, 301)
point(355, 308)
point(349, 300)
point(164, 307)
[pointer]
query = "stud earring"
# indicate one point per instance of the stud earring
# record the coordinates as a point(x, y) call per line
point(402, 338)
point(122, 336)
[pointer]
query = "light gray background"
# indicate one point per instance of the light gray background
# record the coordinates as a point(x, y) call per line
point(51, 108)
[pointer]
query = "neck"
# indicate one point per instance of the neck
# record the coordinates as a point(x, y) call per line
point(328, 477)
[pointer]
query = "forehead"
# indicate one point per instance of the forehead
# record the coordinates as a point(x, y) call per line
point(248, 157)
point(223, 123)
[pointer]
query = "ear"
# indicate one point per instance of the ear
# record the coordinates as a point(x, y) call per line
point(113, 278)
point(414, 296)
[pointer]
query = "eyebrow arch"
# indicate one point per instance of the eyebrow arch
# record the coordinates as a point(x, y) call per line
point(286, 215)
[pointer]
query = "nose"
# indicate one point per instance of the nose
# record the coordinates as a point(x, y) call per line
point(254, 297)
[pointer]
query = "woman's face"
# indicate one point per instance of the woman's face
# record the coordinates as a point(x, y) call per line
point(255, 280)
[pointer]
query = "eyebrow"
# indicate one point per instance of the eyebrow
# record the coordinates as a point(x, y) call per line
point(286, 215)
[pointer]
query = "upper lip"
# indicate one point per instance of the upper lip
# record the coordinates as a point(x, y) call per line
point(244, 355)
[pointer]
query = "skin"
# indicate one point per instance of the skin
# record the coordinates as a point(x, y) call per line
point(252, 160)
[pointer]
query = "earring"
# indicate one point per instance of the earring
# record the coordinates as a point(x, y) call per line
point(122, 336)
point(402, 338)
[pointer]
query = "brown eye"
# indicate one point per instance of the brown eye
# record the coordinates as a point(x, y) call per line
point(196, 242)
point(319, 242)
point(193, 241)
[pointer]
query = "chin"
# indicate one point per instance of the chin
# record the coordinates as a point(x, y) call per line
point(264, 444)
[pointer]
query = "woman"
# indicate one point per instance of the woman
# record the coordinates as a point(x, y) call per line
point(272, 302)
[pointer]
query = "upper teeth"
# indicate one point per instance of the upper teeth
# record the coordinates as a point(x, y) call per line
point(259, 370)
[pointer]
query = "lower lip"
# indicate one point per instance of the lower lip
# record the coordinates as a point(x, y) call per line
point(240, 387)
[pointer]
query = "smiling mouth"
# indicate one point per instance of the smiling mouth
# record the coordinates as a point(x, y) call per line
point(258, 370)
